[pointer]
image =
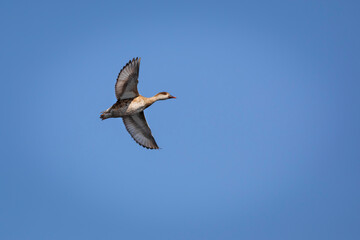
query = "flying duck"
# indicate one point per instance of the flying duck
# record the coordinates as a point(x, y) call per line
point(130, 105)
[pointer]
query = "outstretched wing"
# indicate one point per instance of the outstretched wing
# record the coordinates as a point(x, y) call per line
point(126, 83)
point(139, 130)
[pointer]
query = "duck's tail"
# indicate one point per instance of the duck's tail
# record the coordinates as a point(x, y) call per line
point(104, 115)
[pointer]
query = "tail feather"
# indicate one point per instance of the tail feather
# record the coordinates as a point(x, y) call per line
point(103, 116)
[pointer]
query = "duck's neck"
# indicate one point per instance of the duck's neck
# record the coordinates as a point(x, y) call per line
point(153, 99)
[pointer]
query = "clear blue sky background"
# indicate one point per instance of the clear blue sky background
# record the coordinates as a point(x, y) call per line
point(262, 141)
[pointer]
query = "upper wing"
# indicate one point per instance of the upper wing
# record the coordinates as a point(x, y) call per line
point(126, 83)
point(139, 130)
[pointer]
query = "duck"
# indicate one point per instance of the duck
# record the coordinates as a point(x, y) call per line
point(130, 105)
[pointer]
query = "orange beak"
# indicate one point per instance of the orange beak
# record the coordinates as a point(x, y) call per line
point(171, 96)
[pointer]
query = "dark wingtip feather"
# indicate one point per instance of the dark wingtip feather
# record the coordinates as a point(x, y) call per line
point(151, 148)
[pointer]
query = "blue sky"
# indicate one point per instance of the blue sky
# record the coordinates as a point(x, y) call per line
point(262, 141)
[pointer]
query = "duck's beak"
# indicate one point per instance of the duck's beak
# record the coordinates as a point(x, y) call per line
point(171, 96)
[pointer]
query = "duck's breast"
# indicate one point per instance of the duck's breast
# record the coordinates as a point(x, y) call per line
point(136, 106)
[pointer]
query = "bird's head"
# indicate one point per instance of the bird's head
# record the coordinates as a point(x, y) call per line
point(163, 96)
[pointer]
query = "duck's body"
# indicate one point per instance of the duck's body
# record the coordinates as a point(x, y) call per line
point(127, 107)
point(131, 104)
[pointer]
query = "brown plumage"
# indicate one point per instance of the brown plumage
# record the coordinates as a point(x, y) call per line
point(131, 105)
